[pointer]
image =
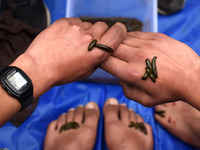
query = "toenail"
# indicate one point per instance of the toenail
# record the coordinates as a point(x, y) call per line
point(123, 104)
point(80, 106)
point(112, 101)
point(71, 109)
point(63, 114)
point(90, 106)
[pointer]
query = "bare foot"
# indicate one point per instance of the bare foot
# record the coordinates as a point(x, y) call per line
point(182, 120)
point(118, 134)
point(82, 138)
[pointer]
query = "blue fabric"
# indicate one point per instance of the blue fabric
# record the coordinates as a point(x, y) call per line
point(183, 26)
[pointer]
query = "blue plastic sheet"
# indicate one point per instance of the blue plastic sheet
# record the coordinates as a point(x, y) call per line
point(183, 26)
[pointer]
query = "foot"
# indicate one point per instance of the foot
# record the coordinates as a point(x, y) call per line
point(82, 138)
point(118, 134)
point(182, 120)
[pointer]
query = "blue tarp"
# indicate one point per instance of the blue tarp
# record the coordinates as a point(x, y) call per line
point(183, 26)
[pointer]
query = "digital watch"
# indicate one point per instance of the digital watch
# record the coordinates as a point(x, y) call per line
point(17, 84)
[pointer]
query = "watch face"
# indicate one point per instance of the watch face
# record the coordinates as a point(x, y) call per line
point(17, 80)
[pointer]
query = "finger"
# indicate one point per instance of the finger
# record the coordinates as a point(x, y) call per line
point(136, 94)
point(125, 52)
point(114, 36)
point(125, 71)
point(115, 67)
point(74, 20)
point(133, 42)
point(85, 25)
point(98, 29)
point(142, 35)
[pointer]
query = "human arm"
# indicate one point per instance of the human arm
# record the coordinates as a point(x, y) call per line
point(178, 68)
point(60, 55)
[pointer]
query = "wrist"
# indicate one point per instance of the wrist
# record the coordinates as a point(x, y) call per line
point(191, 93)
point(40, 80)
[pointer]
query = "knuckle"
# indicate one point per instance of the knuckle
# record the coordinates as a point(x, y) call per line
point(100, 23)
point(161, 36)
point(61, 21)
point(135, 34)
point(76, 27)
point(88, 37)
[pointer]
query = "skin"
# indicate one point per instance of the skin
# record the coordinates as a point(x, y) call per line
point(181, 120)
point(117, 133)
point(59, 55)
point(178, 67)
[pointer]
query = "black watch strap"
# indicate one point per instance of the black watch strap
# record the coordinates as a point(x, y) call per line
point(26, 98)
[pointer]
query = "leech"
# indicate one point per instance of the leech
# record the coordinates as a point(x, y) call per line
point(160, 113)
point(102, 47)
point(150, 70)
point(148, 63)
point(145, 75)
point(91, 45)
point(70, 125)
point(154, 67)
point(139, 126)
point(150, 75)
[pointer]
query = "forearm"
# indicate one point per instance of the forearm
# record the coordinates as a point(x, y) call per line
point(9, 106)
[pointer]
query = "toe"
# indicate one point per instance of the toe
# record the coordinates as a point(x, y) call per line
point(78, 115)
point(139, 118)
point(124, 114)
point(52, 126)
point(92, 114)
point(111, 110)
point(61, 120)
point(132, 115)
point(70, 115)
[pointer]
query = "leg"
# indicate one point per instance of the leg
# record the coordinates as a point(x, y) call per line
point(82, 138)
point(182, 120)
point(118, 134)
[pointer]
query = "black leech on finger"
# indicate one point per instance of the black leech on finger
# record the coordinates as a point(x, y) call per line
point(150, 75)
point(150, 70)
point(104, 47)
point(145, 75)
point(154, 67)
point(101, 46)
point(92, 44)
point(148, 63)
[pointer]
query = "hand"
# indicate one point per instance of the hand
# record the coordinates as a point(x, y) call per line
point(60, 53)
point(177, 64)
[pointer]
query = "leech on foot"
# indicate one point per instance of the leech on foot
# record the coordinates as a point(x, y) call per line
point(160, 113)
point(139, 126)
point(69, 125)
point(101, 46)
point(150, 70)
